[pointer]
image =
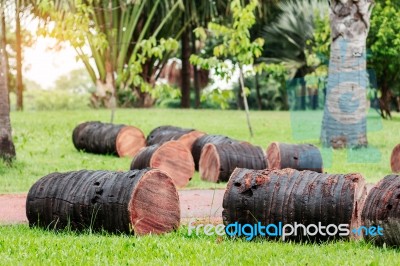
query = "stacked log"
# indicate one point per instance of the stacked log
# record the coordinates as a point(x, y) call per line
point(135, 202)
point(202, 141)
point(105, 138)
point(289, 196)
point(299, 157)
point(395, 159)
point(218, 161)
point(163, 134)
point(171, 157)
point(382, 208)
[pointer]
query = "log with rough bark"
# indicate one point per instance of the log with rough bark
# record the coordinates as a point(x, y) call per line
point(395, 159)
point(382, 208)
point(105, 138)
point(218, 161)
point(172, 157)
point(163, 134)
point(289, 196)
point(135, 202)
point(299, 157)
point(202, 141)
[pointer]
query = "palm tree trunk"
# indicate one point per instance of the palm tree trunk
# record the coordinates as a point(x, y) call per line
point(7, 149)
point(19, 84)
point(185, 86)
point(344, 121)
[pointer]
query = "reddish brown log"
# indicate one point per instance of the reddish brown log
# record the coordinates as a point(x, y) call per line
point(163, 134)
point(382, 208)
point(105, 138)
point(299, 157)
point(395, 159)
point(202, 141)
point(289, 196)
point(172, 157)
point(218, 161)
point(135, 202)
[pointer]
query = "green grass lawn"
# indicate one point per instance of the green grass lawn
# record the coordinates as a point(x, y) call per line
point(21, 245)
point(44, 145)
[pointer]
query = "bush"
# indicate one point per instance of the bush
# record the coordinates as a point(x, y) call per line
point(55, 100)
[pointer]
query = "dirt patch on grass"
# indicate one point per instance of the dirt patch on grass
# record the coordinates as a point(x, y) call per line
point(198, 204)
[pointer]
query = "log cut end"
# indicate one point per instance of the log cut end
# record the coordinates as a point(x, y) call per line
point(360, 195)
point(189, 138)
point(395, 159)
point(209, 165)
point(154, 206)
point(176, 160)
point(129, 141)
point(273, 156)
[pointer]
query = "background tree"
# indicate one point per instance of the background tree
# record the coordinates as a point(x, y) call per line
point(7, 149)
point(344, 121)
point(236, 45)
point(290, 40)
point(384, 44)
point(125, 43)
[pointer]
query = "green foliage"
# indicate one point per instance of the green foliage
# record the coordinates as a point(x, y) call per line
point(236, 44)
point(76, 81)
point(384, 43)
point(164, 93)
point(45, 100)
point(217, 97)
point(123, 37)
point(302, 29)
point(272, 89)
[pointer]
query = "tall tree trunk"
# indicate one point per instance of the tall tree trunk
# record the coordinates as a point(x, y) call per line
point(185, 86)
point(344, 121)
point(7, 149)
point(4, 44)
point(20, 85)
point(246, 105)
point(196, 78)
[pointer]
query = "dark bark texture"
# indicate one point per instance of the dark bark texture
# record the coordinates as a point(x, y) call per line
point(202, 141)
point(299, 157)
point(289, 196)
point(382, 208)
point(218, 161)
point(104, 138)
point(101, 200)
point(185, 86)
point(163, 134)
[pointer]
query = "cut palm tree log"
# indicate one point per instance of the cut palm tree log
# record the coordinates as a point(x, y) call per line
point(299, 157)
point(382, 208)
point(105, 138)
point(395, 159)
point(172, 157)
point(135, 202)
point(218, 161)
point(289, 196)
point(163, 134)
point(202, 141)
